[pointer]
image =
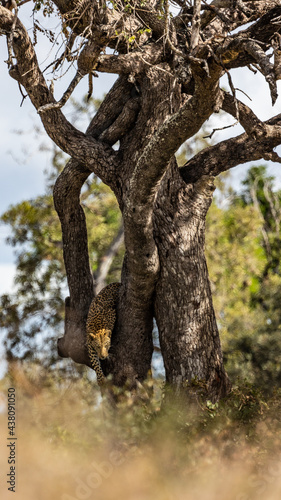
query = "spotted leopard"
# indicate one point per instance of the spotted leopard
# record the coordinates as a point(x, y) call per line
point(99, 326)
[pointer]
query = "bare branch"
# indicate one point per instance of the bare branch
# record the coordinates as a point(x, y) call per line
point(101, 274)
point(195, 34)
point(276, 43)
point(133, 62)
point(10, 36)
point(219, 129)
point(266, 67)
point(168, 26)
point(232, 152)
point(249, 121)
point(97, 156)
point(57, 105)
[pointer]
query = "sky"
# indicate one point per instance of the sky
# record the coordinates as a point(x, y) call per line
point(22, 166)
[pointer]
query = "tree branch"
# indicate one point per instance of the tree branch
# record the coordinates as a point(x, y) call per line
point(10, 37)
point(219, 18)
point(233, 51)
point(133, 62)
point(247, 118)
point(195, 33)
point(150, 18)
point(101, 274)
point(57, 105)
point(123, 122)
point(232, 152)
point(76, 258)
point(97, 156)
point(173, 133)
point(266, 67)
point(111, 106)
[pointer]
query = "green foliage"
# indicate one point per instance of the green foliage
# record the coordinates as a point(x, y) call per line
point(243, 251)
point(37, 307)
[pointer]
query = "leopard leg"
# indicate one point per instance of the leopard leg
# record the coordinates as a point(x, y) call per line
point(95, 363)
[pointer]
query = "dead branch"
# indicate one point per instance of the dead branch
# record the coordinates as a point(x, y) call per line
point(57, 105)
point(101, 274)
point(195, 33)
point(13, 6)
point(276, 44)
point(232, 152)
point(265, 66)
point(249, 121)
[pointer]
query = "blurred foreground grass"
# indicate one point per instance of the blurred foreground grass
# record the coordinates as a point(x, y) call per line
point(70, 446)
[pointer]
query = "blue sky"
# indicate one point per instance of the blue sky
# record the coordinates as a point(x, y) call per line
point(22, 166)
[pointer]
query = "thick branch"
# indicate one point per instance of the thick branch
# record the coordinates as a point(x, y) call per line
point(111, 106)
point(98, 157)
point(232, 152)
point(266, 67)
point(75, 252)
point(133, 62)
point(233, 51)
point(177, 129)
point(220, 17)
point(123, 123)
point(67, 204)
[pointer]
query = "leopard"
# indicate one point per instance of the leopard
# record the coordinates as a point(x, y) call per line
point(99, 326)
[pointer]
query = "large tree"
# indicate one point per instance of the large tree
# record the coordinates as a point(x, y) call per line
point(169, 68)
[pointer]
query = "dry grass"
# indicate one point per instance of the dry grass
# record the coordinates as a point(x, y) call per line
point(70, 447)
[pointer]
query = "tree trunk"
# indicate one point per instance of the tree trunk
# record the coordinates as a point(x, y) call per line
point(132, 345)
point(75, 252)
point(164, 272)
point(188, 332)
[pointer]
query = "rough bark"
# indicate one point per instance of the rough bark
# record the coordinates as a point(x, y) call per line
point(189, 337)
point(75, 252)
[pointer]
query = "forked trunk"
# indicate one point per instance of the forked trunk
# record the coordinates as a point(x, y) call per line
point(178, 294)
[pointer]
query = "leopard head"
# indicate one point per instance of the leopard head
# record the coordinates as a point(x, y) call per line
point(101, 342)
